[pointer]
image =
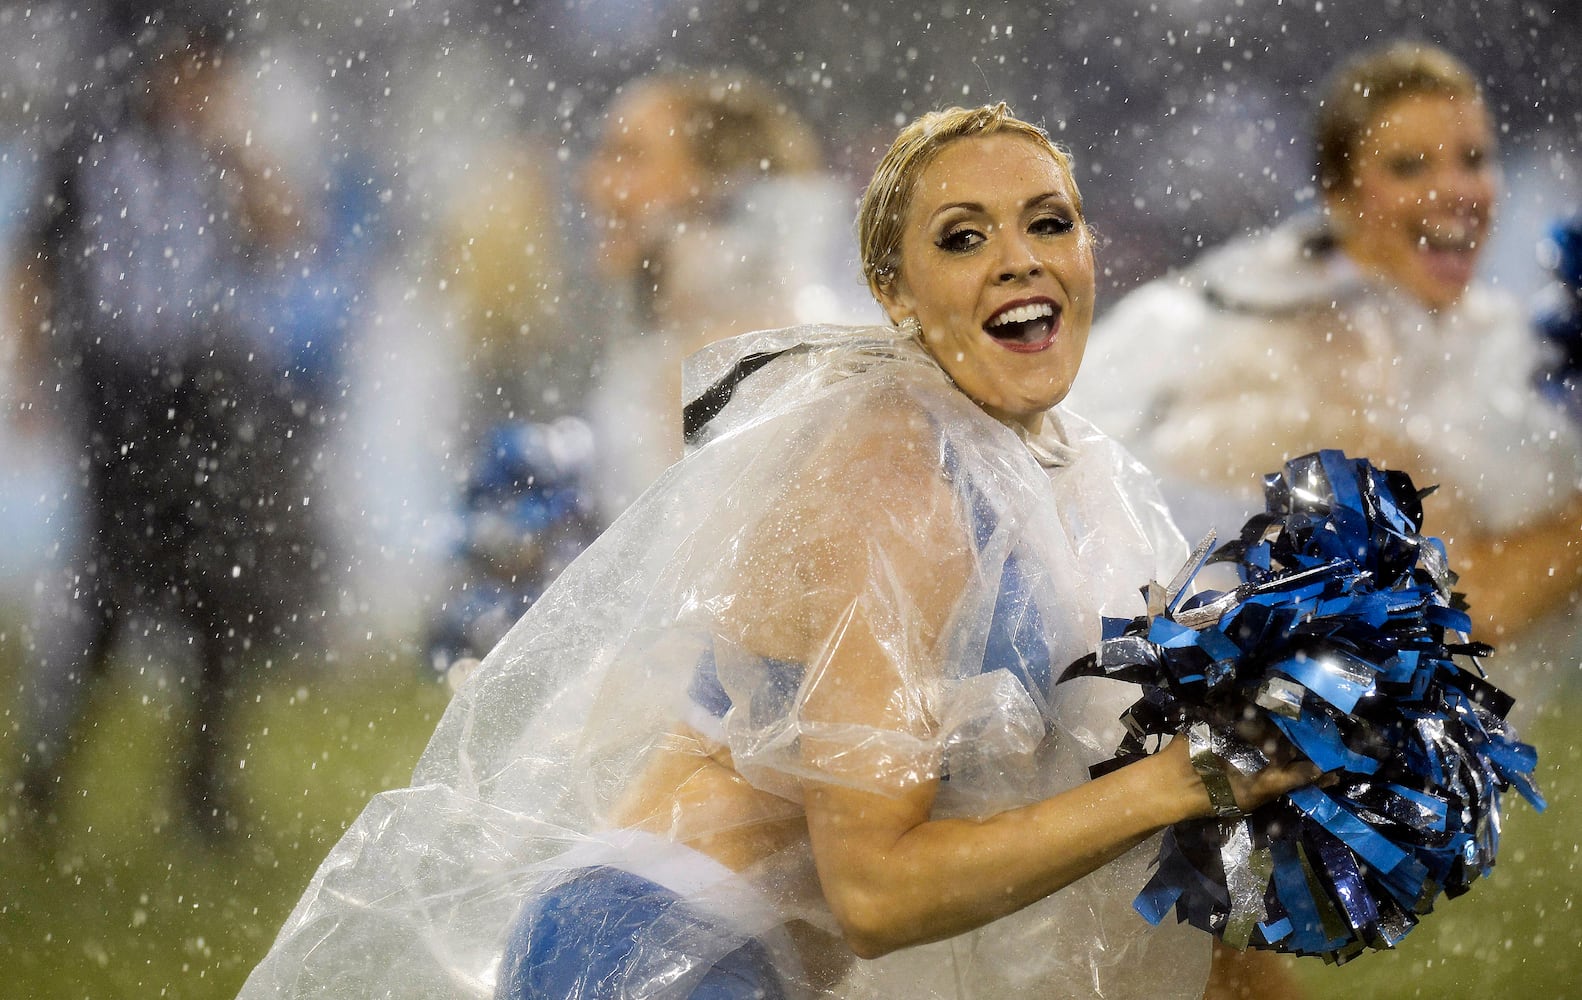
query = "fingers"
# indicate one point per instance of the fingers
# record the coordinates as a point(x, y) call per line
point(1228, 789)
point(1253, 790)
point(1259, 732)
point(1286, 777)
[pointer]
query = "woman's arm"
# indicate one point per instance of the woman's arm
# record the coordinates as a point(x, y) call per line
point(1511, 578)
point(894, 877)
point(1514, 578)
point(864, 565)
point(1251, 975)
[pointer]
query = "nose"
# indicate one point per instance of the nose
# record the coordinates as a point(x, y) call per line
point(1462, 184)
point(1018, 262)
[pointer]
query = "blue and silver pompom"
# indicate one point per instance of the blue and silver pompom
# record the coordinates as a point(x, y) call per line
point(1344, 636)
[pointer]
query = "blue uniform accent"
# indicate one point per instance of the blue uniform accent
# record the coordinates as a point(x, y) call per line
point(1560, 322)
point(608, 934)
point(784, 678)
point(1016, 633)
point(1015, 640)
point(526, 513)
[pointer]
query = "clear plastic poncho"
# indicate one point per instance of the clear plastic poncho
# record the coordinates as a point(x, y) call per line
point(662, 705)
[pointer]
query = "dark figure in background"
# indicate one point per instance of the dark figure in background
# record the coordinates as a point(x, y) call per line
point(183, 366)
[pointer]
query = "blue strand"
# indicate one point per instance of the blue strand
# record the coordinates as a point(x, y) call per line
point(1343, 635)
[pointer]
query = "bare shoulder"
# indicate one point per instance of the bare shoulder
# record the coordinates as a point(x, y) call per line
point(870, 511)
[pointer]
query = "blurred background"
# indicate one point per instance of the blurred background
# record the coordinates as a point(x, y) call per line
point(388, 235)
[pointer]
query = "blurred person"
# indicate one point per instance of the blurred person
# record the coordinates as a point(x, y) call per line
point(713, 217)
point(711, 221)
point(192, 366)
point(675, 146)
point(523, 505)
point(790, 728)
point(500, 256)
point(1362, 327)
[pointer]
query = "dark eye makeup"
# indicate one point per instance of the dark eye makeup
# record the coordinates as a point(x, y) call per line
point(1406, 166)
point(1052, 225)
point(960, 239)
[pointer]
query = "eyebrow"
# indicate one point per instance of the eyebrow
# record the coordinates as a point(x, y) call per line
point(976, 206)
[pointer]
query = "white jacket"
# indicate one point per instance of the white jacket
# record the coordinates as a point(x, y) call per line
point(1277, 345)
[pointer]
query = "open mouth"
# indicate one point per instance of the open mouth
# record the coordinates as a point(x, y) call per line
point(1448, 239)
point(1449, 252)
point(1025, 326)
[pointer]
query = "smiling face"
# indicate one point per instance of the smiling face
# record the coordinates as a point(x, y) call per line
point(1418, 205)
point(996, 264)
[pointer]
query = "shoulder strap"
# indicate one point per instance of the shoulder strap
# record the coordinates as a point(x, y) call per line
point(695, 416)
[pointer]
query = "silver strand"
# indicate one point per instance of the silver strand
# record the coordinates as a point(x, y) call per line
point(1210, 767)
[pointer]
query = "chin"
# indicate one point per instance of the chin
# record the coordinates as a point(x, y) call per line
point(1437, 297)
point(1031, 408)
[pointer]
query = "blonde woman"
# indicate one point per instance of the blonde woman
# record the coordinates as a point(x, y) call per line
point(790, 728)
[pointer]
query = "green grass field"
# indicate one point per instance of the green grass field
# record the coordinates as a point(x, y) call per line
point(119, 900)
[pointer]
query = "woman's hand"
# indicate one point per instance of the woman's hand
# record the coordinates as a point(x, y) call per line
point(1284, 772)
point(1253, 790)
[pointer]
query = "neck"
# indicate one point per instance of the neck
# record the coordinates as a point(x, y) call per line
point(1029, 423)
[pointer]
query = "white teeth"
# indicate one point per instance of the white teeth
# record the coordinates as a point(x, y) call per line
point(1447, 236)
point(1446, 241)
point(1022, 314)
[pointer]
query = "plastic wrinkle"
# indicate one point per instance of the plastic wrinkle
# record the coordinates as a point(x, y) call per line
point(854, 579)
point(1341, 636)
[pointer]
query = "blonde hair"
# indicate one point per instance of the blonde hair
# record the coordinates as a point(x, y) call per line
point(736, 124)
point(1359, 91)
point(881, 218)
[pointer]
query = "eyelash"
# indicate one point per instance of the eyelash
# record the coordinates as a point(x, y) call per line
point(956, 240)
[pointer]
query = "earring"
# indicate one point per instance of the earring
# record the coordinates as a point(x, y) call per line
point(912, 328)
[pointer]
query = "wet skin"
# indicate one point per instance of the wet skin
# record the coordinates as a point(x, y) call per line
point(1420, 203)
point(997, 266)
